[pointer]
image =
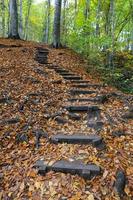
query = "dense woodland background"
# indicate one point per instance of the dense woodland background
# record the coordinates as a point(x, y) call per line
point(100, 30)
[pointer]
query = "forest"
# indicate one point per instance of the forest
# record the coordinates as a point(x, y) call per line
point(66, 99)
point(99, 30)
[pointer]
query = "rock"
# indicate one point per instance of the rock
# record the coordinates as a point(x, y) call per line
point(120, 182)
point(22, 137)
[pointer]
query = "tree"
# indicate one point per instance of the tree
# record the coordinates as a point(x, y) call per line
point(27, 19)
point(57, 20)
point(47, 22)
point(13, 24)
point(21, 18)
point(3, 17)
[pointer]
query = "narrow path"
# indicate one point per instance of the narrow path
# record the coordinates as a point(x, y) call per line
point(55, 119)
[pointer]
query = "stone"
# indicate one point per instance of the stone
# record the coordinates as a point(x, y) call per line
point(76, 91)
point(120, 182)
point(77, 139)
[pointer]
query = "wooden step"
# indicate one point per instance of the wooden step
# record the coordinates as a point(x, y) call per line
point(80, 81)
point(82, 108)
point(60, 70)
point(86, 85)
point(76, 91)
point(72, 77)
point(86, 171)
point(77, 139)
point(98, 99)
point(67, 74)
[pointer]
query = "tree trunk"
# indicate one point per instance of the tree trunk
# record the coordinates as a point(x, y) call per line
point(47, 22)
point(56, 29)
point(3, 17)
point(98, 18)
point(64, 22)
point(110, 53)
point(87, 9)
point(21, 19)
point(131, 32)
point(27, 20)
point(13, 25)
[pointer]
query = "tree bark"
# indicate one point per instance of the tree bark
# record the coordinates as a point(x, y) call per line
point(110, 33)
point(98, 18)
point(13, 24)
point(64, 30)
point(56, 29)
point(87, 9)
point(3, 17)
point(27, 20)
point(131, 32)
point(47, 22)
point(21, 18)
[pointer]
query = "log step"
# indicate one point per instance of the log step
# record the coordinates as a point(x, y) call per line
point(79, 81)
point(87, 85)
point(59, 70)
point(72, 77)
point(87, 171)
point(67, 74)
point(82, 108)
point(98, 99)
point(76, 91)
point(77, 139)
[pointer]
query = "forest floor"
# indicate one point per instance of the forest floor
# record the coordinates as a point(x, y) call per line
point(33, 97)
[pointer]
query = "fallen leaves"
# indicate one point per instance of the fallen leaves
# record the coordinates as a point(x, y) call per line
point(45, 96)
